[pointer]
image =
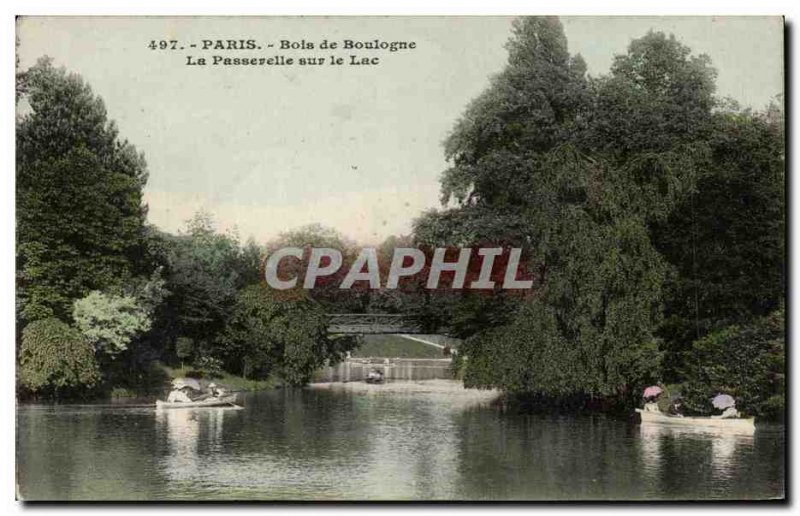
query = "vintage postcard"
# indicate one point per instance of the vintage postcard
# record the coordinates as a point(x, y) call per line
point(530, 258)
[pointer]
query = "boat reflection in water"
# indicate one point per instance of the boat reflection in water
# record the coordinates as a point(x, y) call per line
point(716, 447)
point(182, 429)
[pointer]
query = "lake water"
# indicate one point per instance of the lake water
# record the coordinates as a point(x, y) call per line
point(383, 442)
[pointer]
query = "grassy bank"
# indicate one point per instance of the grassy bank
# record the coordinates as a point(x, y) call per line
point(233, 382)
point(158, 380)
point(395, 346)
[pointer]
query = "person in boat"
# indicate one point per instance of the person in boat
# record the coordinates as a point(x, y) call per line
point(650, 405)
point(212, 391)
point(728, 413)
point(374, 375)
point(216, 391)
point(676, 408)
point(179, 396)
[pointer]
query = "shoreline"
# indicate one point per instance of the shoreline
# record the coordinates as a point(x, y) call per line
point(453, 389)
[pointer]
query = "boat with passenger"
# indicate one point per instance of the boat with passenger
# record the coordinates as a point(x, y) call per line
point(375, 376)
point(188, 393)
point(224, 401)
point(730, 419)
point(744, 425)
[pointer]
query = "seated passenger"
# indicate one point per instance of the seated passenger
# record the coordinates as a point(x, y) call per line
point(216, 391)
point(728, 413)
point(676, 408)
point(651, 406)
point(178, 396)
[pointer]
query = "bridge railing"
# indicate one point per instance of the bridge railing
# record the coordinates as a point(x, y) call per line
point(374, 323)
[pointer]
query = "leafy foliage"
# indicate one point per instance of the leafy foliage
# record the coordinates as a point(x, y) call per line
point(326, 290)
point(588, 328)
point(267, 333)
point(209, 366)
point(204, 271)
point(110, 322)
point(55, 358)
point(657, 97)
point(535, 104)
point(184, 348)
point(80, 216)
point(577, 171)
point(748, 362)
point(726, 241)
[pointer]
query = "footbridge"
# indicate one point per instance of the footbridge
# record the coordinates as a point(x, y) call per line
point(375, 324)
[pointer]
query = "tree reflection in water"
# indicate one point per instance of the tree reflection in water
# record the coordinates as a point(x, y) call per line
point(381, 443)
point(716, 448)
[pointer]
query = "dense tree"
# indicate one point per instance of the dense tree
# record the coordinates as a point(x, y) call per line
point(576, 171)
point(56, 359)
point(535, 104)
point(726, 240)
point(657, 97)
point(110, 322)
point(498, 150)
point(748, 362)
point(326, 290)
point(587, 329)
point(80, 216)
point(270, 332)
point(205, 269)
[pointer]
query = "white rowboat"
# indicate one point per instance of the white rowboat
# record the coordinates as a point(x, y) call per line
point(224, 401)
point(738, 425)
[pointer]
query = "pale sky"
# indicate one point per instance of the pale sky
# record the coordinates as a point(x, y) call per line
point(266, 149)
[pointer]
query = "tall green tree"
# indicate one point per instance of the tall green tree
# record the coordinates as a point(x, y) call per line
point(498, 153)
point(80, 215)
point(588, 327)
point(576, 170)
point(657, 97)
point(326, 290)
point(539, 101)
point(278, 333)
point(726, 241)
point(205, 269)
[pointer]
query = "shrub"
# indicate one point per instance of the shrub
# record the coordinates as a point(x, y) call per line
point(208, 367)
point(269, 334)
point(110, 322)
point(747, 362)
point(55, 358)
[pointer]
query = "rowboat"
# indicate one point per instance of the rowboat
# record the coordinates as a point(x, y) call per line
point(738, 425)
point(224, 401)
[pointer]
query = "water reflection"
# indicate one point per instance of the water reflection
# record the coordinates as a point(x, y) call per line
point(185, 430)
point(383, 443)
point(407, 369)
point(716, 448)
point(650, 447)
